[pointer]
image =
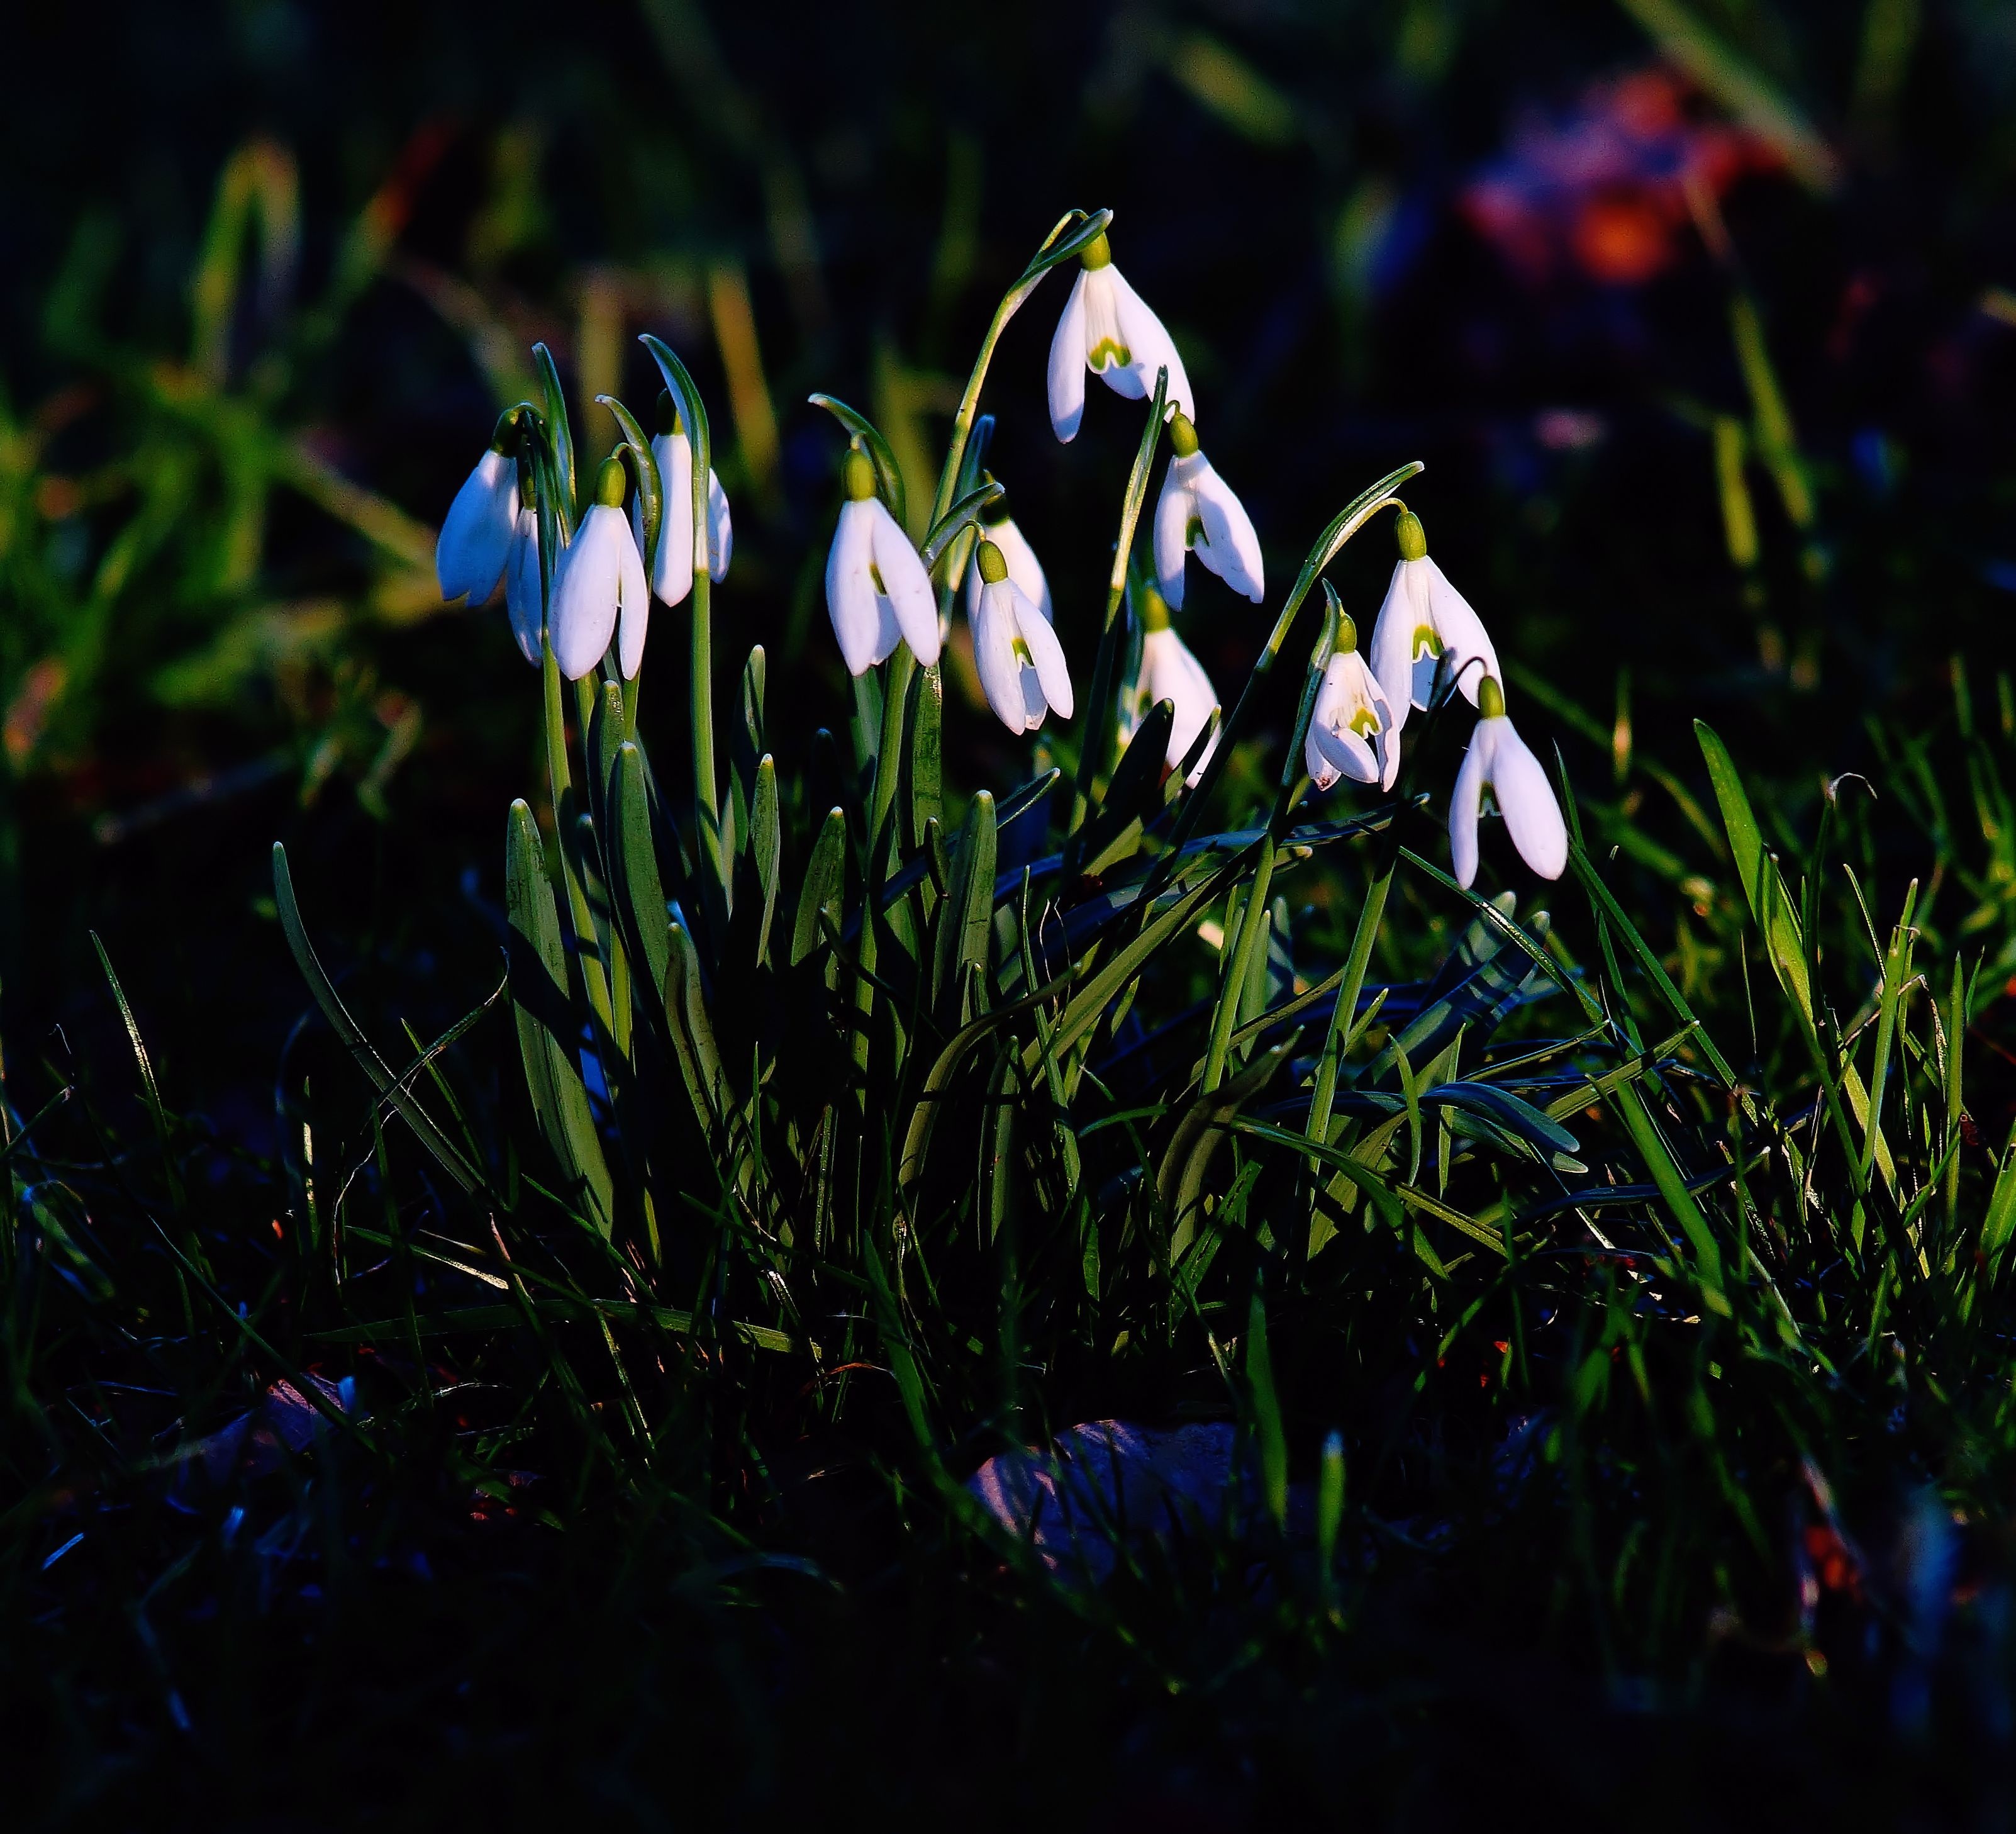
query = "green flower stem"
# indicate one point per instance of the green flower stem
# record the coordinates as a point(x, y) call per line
point(581, 918)
point(1011, 303)
point(1239, 963)
point(1098, 729)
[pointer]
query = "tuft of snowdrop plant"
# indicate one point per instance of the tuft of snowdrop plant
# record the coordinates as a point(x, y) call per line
point(1197, 513)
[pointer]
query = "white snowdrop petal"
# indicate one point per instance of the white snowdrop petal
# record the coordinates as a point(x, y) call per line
point(1526, 800)
point(1150, 347)
point(1173, 511)
point(1466, 802)
point(1348, 751)
point(994, 655)
point(1461, 630)
point(904, 581)
point(633, 598)
point(1230, 548)
point(521, 585)
point(1392, 637)
point(671, 576)
point(720, 532)
point(850, 592)
point(586, 585)
point(1067, 379)
point(1045, 651)
point(475, 534)
point(1322, 774)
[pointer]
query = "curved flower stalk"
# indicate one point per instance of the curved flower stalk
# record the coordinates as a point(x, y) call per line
point(475, 534)
point(1352, 732)
point(1021, 663)
point(1424, 617)
point(598, 576)
point(1170, 672)
point(521, 579)
point(1197, 512)
point(681, 553)
point(1106, 328)
point(877, 591)
point(1499, 761)
point(998, 526)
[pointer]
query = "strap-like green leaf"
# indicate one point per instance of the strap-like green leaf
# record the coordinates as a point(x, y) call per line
point(965, 923)
point(549, 1029)
point(825, 888)
point(637, 891)
point(766, 844)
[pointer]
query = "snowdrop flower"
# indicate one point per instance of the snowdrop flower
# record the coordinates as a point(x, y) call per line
point(680, 553)
point(521, 579)
point(1195, 510)
point(877, 590)
point(1352, 732)
point(1423, 618)
point(1021, 663)
point(1499, 761)
point(997, 526)
point(475, 534)
point(599, 574)
point(1107, 329)
point(1170, 672)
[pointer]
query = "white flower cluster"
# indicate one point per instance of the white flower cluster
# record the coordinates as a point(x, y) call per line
point(879, 590)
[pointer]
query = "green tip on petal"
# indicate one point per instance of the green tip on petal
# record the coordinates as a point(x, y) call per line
point(859, 474)
point(993, 567)
point(610, 483)
point(1490, 699)
point(1097, 253)
point(1182, 435)
point(1407, 531)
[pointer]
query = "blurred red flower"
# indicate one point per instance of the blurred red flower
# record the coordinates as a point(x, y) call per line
point(1604, 189)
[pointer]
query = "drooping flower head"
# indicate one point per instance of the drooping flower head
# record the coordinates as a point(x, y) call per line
point(1170, 672)
point(1196, 512)
point(877, 591)
point(1424, 619)
point(998, 526)
point(1021, 663)
point(475, 534)
point(1107, 329)
point(681, 553)
point(1498, 761)
point(1352, 732)
point(598, 576)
